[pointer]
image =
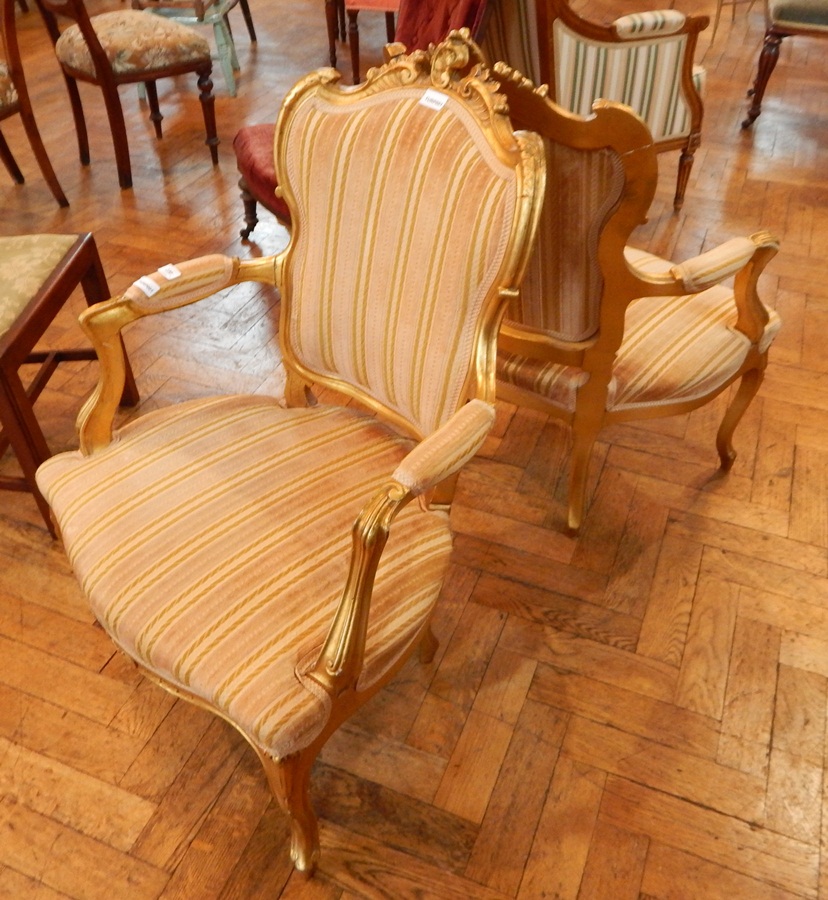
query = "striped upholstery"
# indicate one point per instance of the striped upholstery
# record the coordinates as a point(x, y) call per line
point(212, 540)
point(674, 349)
point(581, 190)
point(637, 25)
point(511, 35)
point(403, 344)
point(645, 75)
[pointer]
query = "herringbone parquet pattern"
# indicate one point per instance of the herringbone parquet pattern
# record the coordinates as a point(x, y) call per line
point(639, 713)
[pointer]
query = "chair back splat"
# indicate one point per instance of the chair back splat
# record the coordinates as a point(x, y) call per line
point(263, 559)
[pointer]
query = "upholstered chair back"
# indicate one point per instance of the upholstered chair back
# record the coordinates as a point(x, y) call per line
point(583, 188)
point(350, 222)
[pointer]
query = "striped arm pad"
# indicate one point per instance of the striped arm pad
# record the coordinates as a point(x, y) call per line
point(213, 538)
point(638, 25)
point(645, 75)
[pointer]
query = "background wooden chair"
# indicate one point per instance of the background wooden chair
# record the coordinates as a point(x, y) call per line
point(644, 60)
point(126, 47)
point(785, 18)
point(14, 100)
point(602, 333)
point(417, 27)
point(214, 13)
point(389, 8)
point(38, 274)
point(236, 549)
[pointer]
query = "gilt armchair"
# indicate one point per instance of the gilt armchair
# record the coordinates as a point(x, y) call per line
point(644, 60)
point(278, 565)
point(603, 333)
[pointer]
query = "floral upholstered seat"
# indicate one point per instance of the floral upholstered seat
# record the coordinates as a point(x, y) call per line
point(133, 42)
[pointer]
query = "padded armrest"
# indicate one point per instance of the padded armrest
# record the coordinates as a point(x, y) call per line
point(447, 449)
point(712, 267)
point(641, 25)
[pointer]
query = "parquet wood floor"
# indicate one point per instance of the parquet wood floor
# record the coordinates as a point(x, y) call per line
point(639, 713)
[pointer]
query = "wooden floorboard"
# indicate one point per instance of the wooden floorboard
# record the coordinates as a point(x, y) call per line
point(636, 714)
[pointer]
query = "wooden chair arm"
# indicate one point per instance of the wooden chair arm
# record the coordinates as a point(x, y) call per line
point(167, 288)
point(434, 459)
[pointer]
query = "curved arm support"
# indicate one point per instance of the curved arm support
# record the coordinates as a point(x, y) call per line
point(432, 461)
point(752, 316)
point(168, 288)
point(701, 272)
point(339, 664)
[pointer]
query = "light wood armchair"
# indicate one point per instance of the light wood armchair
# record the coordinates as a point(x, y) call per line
point(603, 333)
point(268, 563)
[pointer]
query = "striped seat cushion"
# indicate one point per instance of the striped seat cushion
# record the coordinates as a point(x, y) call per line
point(674, 349)
point(212, 540)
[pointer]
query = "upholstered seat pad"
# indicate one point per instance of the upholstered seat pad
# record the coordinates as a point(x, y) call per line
point(26, 261)
point(213, 538)
point(8, 93)
point(253, 146)
point(674, 349)
point(133, 41)
point(800, 13)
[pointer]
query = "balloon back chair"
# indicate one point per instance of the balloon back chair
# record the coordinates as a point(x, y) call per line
point(38, 275)
point(215, 14)
point(14, 100)
point(268, 563)
point(785, 18)
point(418, 26)
point(644, 60)
point(602, 333)
point(126, 47)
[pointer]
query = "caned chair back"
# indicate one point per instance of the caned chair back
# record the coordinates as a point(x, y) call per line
point(360, 312)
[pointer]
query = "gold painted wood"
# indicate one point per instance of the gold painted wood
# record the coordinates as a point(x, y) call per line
point(214, 832)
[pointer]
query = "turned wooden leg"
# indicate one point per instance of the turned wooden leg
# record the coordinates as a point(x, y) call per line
point(353, 43)
point(767, 63)
point(251, 220)
point(748, 387)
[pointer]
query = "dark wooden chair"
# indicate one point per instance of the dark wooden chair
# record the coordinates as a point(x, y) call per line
point(38, 274)
point(785, 18)
point(14, 100)
point(126, 47)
